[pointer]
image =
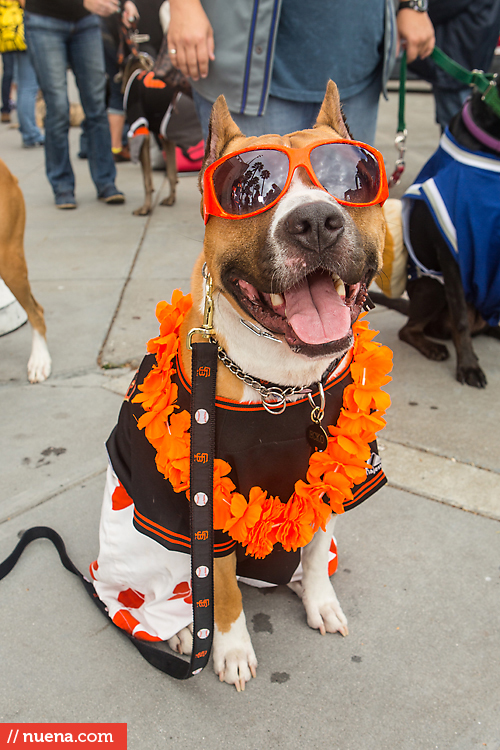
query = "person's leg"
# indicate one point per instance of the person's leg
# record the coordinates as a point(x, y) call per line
point(27, 90)
point(46, 40)
point(116, 122)
point(282, 116)
point(87, 61)
point(7, 78)
point(116, 114)
point(361, 111)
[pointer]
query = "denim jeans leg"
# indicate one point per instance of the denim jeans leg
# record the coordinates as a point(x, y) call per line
point(47, 46)
point(87, 61)
point(7, 78)
point(27, 90)
point(361, 112)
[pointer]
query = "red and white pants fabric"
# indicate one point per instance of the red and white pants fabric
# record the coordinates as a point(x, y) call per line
point(145, 586)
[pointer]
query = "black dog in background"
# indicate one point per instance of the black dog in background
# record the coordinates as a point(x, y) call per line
point(438, 307)
point(157, 101)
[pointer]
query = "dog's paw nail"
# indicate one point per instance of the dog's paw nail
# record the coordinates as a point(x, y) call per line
point(253, 671)
point(322, 629)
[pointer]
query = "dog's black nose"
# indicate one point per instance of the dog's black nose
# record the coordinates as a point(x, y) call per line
point(316, 225)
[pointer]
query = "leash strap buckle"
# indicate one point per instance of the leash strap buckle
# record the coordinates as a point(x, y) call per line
point(399, 167)
point(207, 329)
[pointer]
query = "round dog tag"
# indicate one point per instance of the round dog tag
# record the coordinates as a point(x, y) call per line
point(317, 437)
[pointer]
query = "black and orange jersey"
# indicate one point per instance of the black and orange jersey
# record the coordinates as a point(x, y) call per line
point(266, 450)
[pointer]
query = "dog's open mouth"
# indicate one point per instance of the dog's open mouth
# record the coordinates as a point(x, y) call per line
point(317, 311)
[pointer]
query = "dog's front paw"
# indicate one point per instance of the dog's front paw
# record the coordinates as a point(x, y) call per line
point(430, 349)
point(234, 658)
point(323, 610)
point(142, 211)
point(39, 363)
point(183, 641)
point(472, 376)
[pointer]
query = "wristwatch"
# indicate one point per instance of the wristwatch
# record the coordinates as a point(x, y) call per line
point(421, 6)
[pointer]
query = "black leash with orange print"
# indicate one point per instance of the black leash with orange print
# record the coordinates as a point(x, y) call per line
point(204, 370)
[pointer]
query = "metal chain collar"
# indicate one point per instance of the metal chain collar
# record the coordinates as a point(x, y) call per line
point(273, 397)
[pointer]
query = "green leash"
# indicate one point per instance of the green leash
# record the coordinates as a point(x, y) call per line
point(485, 83)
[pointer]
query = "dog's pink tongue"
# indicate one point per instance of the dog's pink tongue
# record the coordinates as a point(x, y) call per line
point(316, 312)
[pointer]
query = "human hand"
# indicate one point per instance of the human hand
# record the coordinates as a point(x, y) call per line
point(415, 29)
point(190, 38)
point(102, 7)
point(130, 14)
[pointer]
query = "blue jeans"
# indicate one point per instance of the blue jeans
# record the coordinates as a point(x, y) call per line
point(53, 45)
point(27, 90)
point(7, 78)
point(284, 116)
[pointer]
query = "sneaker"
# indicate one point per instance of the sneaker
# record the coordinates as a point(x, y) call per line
point(5, 117)
point(111, 195)
point(37, 144)
point(65, 201)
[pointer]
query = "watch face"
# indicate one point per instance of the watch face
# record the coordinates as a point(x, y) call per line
point(420, 5)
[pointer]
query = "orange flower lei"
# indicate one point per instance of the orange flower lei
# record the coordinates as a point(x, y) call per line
point(262, 520)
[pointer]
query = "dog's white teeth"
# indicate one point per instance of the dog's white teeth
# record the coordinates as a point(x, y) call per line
point(339, 287)
point(276, 300)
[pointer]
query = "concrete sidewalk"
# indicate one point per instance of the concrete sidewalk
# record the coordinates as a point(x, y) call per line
point(418, 577)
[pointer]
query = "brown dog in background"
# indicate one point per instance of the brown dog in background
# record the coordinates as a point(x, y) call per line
point(14, 272)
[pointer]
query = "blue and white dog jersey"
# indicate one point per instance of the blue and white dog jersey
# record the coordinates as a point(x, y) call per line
point(462, 190)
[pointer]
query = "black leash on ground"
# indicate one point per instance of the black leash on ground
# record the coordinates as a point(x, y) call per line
point(486, 83)
point(204, 370)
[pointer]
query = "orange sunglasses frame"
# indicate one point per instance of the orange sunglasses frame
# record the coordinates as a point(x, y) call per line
point(297, 157)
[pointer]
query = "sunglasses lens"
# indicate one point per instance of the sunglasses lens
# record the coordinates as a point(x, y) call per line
point(247, 182)
point(349, 173)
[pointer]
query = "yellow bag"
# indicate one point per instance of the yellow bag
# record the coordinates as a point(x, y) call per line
point(393, 276)
point(11, 27)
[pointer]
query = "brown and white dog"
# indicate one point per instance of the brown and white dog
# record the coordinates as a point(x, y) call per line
point(14, 272)
point(307, 238)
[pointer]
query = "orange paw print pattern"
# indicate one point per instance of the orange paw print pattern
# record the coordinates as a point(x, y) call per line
point(120, 499)
point(183, 591)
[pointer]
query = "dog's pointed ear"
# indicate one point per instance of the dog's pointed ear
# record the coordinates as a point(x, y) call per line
point(221, 130)
point(330, 113)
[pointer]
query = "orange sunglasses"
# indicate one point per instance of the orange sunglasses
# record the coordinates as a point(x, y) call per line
point(251, 181)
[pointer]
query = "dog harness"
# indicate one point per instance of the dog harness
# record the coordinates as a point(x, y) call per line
point(461, 189)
